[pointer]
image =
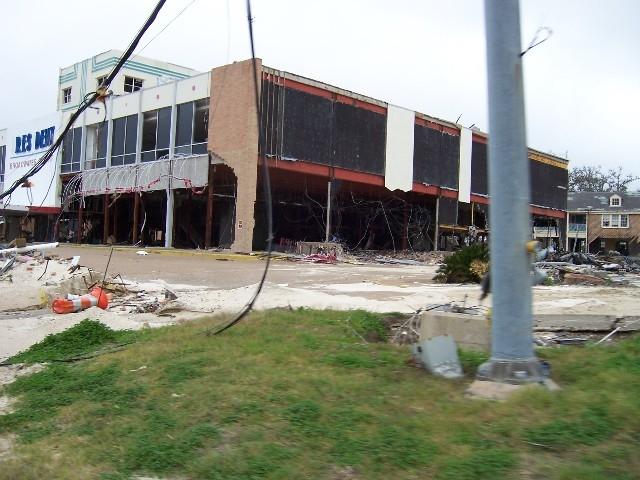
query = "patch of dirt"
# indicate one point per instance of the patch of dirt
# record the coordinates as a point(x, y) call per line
point(6, 405)
point(6, 446)
point(9, 373)
point(343, 473)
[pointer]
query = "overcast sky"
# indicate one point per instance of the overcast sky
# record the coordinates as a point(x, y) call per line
point(582, 85)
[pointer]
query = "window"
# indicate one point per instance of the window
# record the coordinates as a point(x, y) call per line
point(156, 127)
point(123, 142)
point(71, 147)
point(615, 201)
point(192, 127)
point(97, 146)
point(66, 95)
point(100, 81)
point(3, 153)
point(615, 220)
point(132, 84)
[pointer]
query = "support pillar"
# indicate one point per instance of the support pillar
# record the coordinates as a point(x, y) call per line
point(512, 357)
point(80, 220)
point(328, 224)
point(168, 226)
point(405, 229)
point(209, 224)
point(105, 230)
point(437, 232)
point(136, 217)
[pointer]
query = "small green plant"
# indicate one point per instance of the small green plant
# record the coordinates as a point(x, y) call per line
point(464, 265)
point(85, 337)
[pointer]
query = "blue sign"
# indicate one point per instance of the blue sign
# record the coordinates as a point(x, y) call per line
point(43, 139)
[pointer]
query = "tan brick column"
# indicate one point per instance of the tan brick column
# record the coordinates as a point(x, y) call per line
point(233, 137)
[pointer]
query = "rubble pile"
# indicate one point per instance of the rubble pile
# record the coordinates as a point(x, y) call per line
point(588, 269)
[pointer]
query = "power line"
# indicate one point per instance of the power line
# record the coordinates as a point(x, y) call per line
point(267, 187)
point(166, 26)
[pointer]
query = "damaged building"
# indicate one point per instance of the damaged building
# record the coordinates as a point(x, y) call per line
point(177, 163)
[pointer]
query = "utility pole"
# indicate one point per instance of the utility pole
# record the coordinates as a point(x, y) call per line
point(512, 357)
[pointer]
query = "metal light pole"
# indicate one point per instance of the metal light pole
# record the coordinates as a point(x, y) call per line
point(512, 357)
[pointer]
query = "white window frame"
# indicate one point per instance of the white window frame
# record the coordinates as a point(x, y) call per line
point(615, 220)
point(132, 84)
point(615, 201)
point(99, 80)
point(66, 95)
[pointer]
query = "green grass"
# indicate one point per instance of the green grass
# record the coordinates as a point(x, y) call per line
point(81, 339)
point(298, 394)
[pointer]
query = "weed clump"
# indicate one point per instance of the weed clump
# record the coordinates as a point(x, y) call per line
point(465, 266)
point(85, 337)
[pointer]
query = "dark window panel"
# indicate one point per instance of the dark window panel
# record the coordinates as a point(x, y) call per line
point(77, 144)
point(360, 137)
point(201, 121)
point(130, 158)
point(101, 163)
point(164, 127)
point(148, 156)
point(308, 121)
point(199, 148)
point(117, 160)
point(131, 134)
point(184, 124)
point(102, 133)
point(117, 141)
point(161, 153)
point(186, 150)
point(149, 128)
point(435, 157)
point(479, 169)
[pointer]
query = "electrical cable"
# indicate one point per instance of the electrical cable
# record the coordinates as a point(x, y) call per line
point(88, 100)
point(267, 189)
point(165, 27)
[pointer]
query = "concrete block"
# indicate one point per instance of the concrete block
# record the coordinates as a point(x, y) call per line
point(471, 332)
point(573, 322)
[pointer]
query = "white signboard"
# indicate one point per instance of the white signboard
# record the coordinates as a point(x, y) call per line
point(26, 143)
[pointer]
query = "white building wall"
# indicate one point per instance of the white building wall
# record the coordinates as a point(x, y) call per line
point(82, 76)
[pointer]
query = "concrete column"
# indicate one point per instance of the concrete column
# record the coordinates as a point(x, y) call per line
point(512, 357)
point(168, 225)
point(437, 232)
point(233, 137)
point(168, 233)
point(105, 231)
point(209, 223)
point(136, 217)
point(80, 220)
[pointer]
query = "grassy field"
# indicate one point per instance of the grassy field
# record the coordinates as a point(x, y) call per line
point(298, 394)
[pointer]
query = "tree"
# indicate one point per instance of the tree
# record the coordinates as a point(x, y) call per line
point(594, 179)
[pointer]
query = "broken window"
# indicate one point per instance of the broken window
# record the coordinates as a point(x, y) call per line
point(66, 95)
point(192, 127)
point(100, 81)
point(123, 143)
point(155, 134)
point(71, 148)
point(96, 146)
point(132, 84)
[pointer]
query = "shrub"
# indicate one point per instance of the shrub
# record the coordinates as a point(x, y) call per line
point(466, 265)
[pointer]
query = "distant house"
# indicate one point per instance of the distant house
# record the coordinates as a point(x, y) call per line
point(603, 221)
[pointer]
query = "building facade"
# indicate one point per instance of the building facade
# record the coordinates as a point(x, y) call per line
point(600, 222)
point(178, 163)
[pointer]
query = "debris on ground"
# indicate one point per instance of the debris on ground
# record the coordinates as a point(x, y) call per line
point(577, 268)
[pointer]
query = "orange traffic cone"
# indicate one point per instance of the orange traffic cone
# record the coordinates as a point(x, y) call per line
point(75, 303)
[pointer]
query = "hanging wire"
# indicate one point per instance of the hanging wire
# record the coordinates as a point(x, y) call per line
point(267, 188)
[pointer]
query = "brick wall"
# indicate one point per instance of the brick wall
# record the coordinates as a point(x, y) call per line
point(233, 137)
